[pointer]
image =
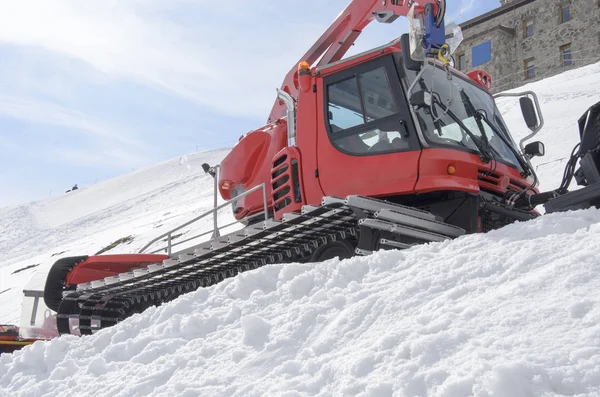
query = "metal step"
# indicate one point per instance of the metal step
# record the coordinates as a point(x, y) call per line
point(402, 230)
point(384, 242)
point(374, 205)
point(427, 224)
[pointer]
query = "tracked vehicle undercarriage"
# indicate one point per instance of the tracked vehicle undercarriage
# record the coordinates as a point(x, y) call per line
point(333, 229)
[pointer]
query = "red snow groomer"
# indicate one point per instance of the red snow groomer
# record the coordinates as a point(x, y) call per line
point(382, 150)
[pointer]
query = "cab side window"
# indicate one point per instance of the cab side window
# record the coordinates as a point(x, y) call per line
point(362, 114)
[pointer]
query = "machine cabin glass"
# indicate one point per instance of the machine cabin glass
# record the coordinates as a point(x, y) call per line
point(366, 112)
point(473, 106)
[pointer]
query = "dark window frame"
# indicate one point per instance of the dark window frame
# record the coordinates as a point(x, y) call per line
point(403, 118)
point(525, 64)
point(525, 31)
point(561, 13)
point(562, 49)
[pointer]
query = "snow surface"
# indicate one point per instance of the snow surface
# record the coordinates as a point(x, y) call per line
point(510, 313)
point(143, 204)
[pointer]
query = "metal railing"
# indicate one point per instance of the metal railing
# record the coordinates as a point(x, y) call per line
point(214, 212)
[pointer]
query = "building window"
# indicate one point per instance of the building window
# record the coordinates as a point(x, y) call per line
point(528, 27)
point(461, 64)
point(481, 53)
point(565, 12)
point(565, 55)
point(529, 68)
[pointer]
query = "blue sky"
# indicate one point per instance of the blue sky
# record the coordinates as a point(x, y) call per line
point(94, 89)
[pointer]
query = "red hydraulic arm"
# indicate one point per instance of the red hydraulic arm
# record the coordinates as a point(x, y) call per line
point(340, 36)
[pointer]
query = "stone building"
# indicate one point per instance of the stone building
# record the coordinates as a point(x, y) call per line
point(526, 40)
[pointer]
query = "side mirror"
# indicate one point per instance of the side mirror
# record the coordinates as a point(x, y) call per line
point(528, 110)
point(535, 149)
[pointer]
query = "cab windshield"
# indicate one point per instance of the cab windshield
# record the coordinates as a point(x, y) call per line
point(459, 98)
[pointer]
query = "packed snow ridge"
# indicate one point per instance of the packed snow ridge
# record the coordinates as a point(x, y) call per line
point(513, 312)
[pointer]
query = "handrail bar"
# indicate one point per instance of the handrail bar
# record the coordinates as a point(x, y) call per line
point(192, 238)
point(212, 211)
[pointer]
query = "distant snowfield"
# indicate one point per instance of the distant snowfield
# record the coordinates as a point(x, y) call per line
point(510, 313)
point(563, 99)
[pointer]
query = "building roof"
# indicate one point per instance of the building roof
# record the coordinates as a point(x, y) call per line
point(494, 13)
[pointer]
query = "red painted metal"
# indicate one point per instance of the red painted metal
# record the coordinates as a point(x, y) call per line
point(98, 267)
point(471, 173)
point(482, 78)
point(324, 169)
point(290, 194)
point(251, 166)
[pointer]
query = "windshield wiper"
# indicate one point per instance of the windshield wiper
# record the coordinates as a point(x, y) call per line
point(474, 113)
point(526, 170)
point(484, 152)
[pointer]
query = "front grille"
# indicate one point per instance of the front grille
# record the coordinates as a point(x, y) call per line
point(495, 179)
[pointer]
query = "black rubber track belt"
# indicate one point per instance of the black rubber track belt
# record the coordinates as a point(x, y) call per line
point(55, 281)
point(289, 241)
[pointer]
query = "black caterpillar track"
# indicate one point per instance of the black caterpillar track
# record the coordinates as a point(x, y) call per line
point(293, 239)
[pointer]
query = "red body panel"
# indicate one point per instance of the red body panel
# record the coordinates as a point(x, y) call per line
point(101, 266)
point(470, 175)
point(251, 165)
point(307, 141)
point(385, 174)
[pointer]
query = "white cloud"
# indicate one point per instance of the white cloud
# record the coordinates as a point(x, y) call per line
point(107, 158)
point(466, 6)
point(47, 113)
point(207, 58)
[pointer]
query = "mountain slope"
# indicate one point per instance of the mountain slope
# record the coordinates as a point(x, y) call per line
point(143, 204)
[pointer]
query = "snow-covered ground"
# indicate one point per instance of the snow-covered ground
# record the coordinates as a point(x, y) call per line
point(510, 313)
point(143, 205)
point(563, 99)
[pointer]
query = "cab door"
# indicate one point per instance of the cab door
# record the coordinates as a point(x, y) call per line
point(366, 142)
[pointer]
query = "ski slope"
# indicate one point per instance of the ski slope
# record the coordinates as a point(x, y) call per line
point(510, 313)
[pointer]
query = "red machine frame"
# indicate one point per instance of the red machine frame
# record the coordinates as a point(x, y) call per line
point(264, 155)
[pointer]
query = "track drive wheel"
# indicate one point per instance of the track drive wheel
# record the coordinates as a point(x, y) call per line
point(343, 249)
point(55, 282)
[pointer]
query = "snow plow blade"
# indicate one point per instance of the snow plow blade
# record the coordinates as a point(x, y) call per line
point(296, 238)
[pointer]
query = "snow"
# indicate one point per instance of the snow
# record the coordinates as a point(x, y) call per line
point(510, 313)
point(563, 99)
point(143, 204)
point(513, 312)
